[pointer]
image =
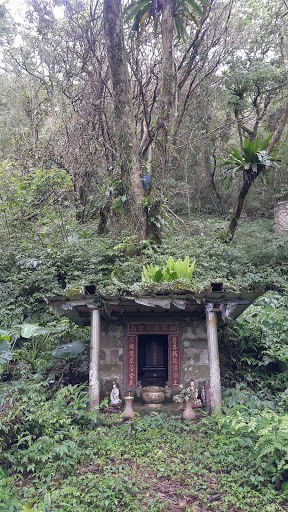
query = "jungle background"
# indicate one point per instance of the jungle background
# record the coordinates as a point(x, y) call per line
point(129, 135)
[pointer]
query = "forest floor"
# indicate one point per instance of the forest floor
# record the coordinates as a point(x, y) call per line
point(68, 458)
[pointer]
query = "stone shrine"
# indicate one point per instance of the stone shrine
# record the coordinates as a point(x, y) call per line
point(160, 339)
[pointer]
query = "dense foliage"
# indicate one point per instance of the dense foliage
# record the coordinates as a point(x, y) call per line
point(58, 455)
point(64, 457)
point(70, 216)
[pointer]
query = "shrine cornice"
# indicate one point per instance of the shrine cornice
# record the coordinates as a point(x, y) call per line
point(228, 305)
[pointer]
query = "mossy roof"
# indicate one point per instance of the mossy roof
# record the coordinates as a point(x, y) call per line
point(228, 304)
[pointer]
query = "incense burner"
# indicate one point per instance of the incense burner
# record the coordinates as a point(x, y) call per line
point(153, 396)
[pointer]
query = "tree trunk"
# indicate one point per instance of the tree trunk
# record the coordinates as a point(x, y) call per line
point(238, 207)
point(163, 138)
point(280, 127)
point(123, 114)
point(214, 187)
point(104, 213)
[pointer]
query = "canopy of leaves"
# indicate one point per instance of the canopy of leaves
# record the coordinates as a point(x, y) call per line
point(141, 12)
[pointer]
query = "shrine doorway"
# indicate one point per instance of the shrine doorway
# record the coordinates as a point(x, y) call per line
point(153, 355)
point(153, 359)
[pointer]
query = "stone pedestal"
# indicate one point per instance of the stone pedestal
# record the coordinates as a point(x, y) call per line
point(189, 414)
point(128, 412)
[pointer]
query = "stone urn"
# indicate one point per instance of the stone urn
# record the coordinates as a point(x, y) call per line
point(128, 412)
point(153, 396)
point(188, 413)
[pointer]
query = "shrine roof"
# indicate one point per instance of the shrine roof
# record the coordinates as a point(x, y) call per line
point(227, 304)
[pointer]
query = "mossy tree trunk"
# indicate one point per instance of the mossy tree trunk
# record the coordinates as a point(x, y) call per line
point(127, 147)
point(163, 138)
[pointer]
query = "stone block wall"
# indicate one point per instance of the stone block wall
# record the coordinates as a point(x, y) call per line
point(111, 355)
point(195, 363)
point(194, 352)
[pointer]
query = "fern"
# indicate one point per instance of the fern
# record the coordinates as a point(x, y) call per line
point(171, 271)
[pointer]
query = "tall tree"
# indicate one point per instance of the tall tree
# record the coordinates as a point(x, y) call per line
point(255, 158)
point(127, 147)
point(178, 76)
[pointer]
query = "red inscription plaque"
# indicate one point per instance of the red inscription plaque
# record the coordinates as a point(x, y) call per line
point(131, 362)
point(140, 328)
point(174, 361)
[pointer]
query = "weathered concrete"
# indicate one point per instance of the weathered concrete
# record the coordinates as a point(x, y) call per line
point(112, 335)
point(213, 353)
point(111, 361)
point(281, 218)
point(194, 352)
point(94, 374)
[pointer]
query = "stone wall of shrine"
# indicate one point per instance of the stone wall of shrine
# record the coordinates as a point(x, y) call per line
point(112, 347)
point(193, 352)
point(195, 363)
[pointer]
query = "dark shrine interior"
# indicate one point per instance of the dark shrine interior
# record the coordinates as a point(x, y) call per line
point(153, 359)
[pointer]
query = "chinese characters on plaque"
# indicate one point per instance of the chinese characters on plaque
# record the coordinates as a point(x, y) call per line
point(174, 360)
point(131, 362)
point(153, 328)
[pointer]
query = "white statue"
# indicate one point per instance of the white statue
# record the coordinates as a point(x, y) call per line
point(114, 396)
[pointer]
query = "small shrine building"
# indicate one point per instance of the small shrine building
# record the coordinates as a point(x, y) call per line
point(157, 338)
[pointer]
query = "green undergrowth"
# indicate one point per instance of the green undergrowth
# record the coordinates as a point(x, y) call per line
point(35, 266)
point(254, 350)
point(59, 456)
point(56, 455)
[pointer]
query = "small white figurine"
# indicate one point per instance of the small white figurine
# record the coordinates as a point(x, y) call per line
point(114, 396)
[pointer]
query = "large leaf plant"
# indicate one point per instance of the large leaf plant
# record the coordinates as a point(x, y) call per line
point(141, 12)
point(254, 160)
point(172, 271)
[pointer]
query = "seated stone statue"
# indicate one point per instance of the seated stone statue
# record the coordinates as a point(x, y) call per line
point(194, 392)
point(115, 399)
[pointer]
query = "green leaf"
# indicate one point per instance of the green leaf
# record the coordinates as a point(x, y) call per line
point(29, 330)
point(158, 276)
point(155, 26)
point(234, 152)
point(5, 351)
point(266, 142)
point(146, 276)
point(181, 31)
point(70, 349)
point(195, 7)
point(191, 270)
point(170, 272)
point(3, 473)
point(29, 505)
point(134, 8)
point(4, 335)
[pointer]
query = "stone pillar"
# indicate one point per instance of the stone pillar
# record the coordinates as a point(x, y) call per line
point(94, 377)
point(281, 218)
point(213, 354)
